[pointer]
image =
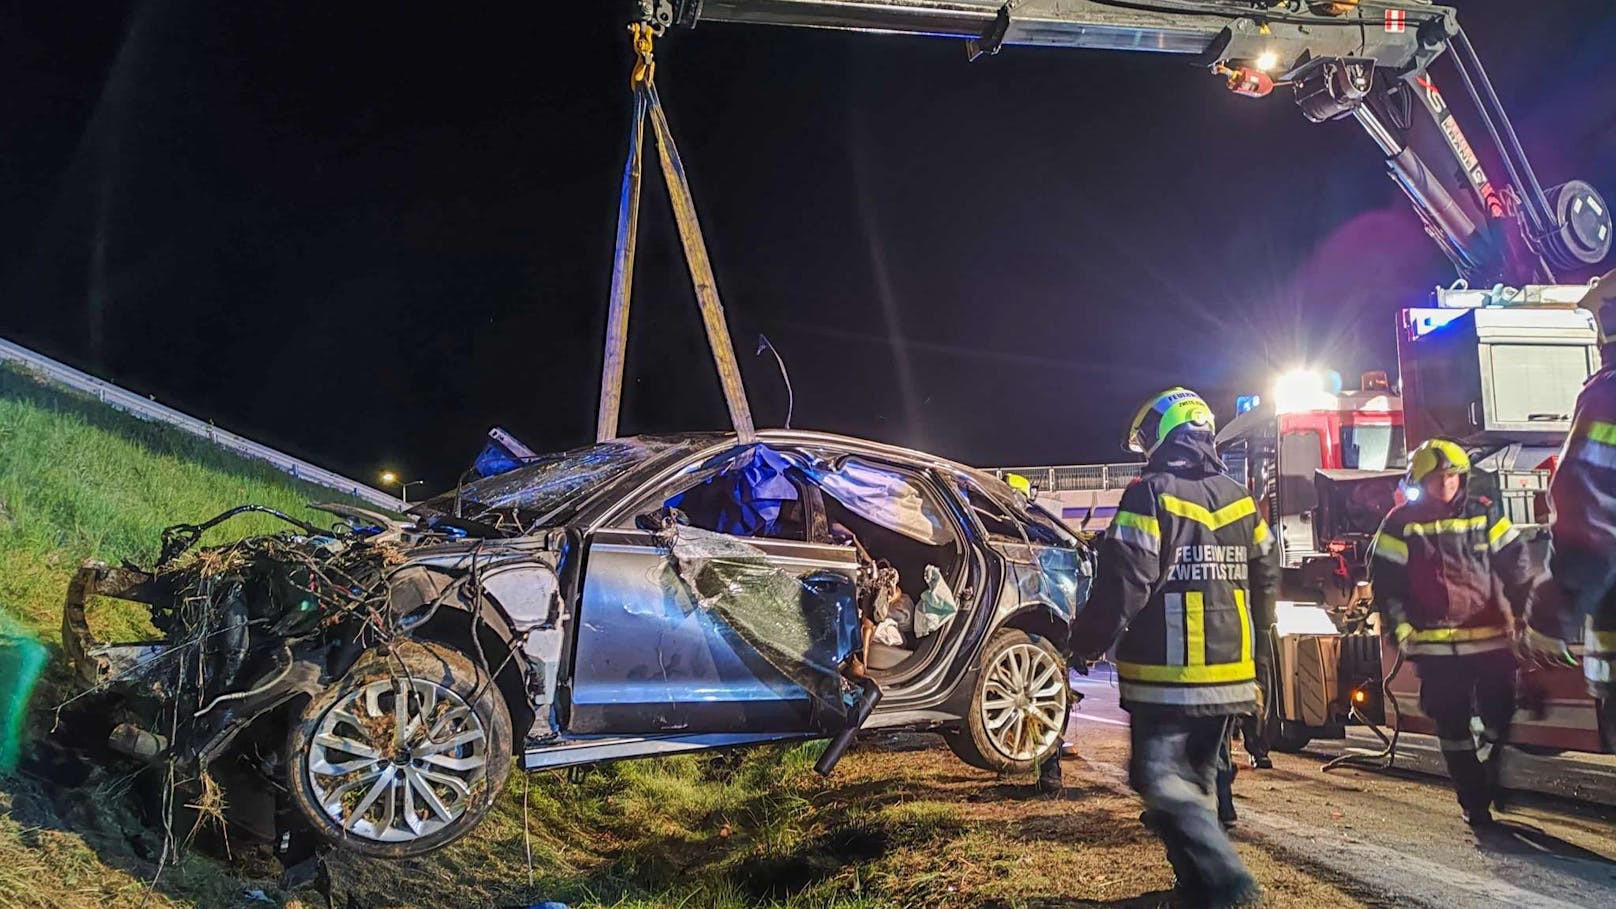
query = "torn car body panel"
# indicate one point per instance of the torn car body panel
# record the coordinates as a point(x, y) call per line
point(691, 632)
point(97, 663)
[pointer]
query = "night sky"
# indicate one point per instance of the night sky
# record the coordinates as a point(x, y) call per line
point(366, 233)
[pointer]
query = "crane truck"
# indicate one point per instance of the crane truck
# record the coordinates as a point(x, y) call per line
point(1496, 368)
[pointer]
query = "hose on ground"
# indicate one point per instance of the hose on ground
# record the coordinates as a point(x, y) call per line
point(1382, 759)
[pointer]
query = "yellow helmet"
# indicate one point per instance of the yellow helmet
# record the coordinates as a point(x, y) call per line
point(1164, 413)
point(1019, 483)
point(1437, 455)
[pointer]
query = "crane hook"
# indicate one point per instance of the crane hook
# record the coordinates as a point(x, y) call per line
point(641, 36)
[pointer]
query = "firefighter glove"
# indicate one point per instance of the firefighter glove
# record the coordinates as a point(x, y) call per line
point(1536, 647)
point(1402, 633)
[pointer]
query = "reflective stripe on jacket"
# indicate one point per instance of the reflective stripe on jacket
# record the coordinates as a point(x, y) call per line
point(1450, 579)
point(1582, 554)
point(1186, 577)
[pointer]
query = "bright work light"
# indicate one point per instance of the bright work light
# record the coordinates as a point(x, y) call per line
point(1300, 389)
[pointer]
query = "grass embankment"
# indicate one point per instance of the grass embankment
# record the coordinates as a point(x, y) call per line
point(79, 480)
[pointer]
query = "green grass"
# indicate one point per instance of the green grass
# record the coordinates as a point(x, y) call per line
point(79, 480)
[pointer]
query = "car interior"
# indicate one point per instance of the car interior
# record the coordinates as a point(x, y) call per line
point(767, 498)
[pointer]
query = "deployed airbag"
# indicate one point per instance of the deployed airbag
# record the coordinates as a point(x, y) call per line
point(884, 497)
point(937, 604)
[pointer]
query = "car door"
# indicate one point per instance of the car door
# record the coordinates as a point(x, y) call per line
point(732, 627)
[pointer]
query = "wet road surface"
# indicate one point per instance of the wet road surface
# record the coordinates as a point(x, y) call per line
point(1396, 837)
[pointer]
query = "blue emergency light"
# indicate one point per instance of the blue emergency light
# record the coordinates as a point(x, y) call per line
point(1246, 402)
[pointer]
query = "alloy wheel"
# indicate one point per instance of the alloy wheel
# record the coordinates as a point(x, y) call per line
point(1023, 700)
point(397, 759)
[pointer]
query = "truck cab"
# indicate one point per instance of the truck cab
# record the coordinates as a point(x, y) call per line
point(1277, 448)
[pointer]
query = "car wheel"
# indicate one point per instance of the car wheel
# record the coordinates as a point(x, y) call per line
point(405, 755)
point(1018, 708)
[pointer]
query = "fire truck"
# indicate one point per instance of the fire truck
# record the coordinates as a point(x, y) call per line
point(1497, 368)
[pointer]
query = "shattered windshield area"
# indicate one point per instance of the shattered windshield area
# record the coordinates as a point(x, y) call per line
point(551, 484)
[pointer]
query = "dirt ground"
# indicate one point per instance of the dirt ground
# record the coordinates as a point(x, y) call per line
point(1085, 847)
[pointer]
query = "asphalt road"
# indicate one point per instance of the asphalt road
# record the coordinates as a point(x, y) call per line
point(1395, 838)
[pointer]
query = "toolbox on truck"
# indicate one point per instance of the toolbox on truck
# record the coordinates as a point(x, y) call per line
point(1496, 374)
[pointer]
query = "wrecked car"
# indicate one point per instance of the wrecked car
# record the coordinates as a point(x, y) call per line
point(635, 598)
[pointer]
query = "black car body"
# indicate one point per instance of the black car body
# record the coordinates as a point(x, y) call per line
point(638, 597)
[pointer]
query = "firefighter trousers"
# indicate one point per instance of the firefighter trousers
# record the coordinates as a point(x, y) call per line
point(1254, 726)
point(1453, 689)
point(1174, 768)
point(1227, 771)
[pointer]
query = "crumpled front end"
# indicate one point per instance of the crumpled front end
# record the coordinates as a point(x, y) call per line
point(246, 628)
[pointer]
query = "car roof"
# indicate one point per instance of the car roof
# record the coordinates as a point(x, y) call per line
point(806, 437)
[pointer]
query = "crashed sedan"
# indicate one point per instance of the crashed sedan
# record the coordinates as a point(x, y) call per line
point(635, 598)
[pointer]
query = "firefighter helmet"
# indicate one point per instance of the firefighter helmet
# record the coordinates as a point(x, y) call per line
point(1162, 414)
point(1436, 455)
point(1601, 301)
point(1019, 483)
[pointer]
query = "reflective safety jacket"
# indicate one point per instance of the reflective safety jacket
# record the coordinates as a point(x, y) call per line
point(1187, 576)
point(1582, 555)
point(1450, 577)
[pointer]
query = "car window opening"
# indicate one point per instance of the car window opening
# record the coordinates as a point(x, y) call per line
point(896, 640)
point(913, 558)
point(757, 500)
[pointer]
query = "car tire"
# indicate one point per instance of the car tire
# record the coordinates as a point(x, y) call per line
point(1022, 686)
point(358, 787)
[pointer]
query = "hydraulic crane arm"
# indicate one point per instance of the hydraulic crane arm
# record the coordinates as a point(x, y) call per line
point(1169, 26)
point(1364, 59)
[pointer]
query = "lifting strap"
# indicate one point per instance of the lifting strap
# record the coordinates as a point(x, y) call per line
point(701, 269)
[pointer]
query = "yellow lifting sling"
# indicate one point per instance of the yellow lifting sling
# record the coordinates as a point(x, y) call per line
point(701, 269)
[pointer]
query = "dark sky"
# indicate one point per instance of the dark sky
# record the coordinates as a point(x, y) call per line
point(366, 233)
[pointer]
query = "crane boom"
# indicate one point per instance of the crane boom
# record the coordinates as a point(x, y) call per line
point(1165, 27)
point(1367, 60)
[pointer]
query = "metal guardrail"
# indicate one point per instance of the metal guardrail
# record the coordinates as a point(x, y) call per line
point(1076, 477)
point(147, 409)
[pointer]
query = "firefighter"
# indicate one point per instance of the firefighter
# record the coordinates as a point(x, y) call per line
point(1582, 530)
point(1184, 569)
point(1451, 576)
point(1019, 483)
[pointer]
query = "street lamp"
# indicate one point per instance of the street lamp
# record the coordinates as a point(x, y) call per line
point(390, 478)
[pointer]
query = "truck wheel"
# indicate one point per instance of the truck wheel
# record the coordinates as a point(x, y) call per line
point(1018, 706)
point(402, 757)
